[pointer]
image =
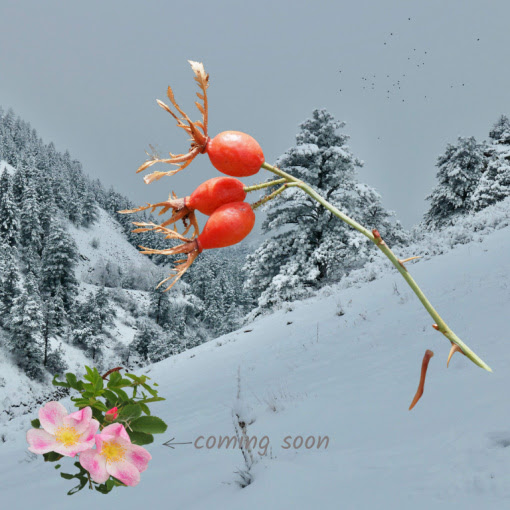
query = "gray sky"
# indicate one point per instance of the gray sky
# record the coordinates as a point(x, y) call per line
point(86, 75)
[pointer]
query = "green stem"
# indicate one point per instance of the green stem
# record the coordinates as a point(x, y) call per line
point(263, 185)
point(377, 240)
point(265, 199)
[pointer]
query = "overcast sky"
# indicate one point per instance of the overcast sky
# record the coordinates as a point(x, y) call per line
point(86, 75)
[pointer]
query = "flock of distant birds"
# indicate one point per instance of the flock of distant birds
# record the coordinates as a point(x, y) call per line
point(369, 81)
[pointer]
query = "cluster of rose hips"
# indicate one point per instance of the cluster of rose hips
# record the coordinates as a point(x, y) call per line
point(222, 198)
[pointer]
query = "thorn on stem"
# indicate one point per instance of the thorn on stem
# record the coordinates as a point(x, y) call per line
point(435, 326)
point(378, 238)
point(455, 348)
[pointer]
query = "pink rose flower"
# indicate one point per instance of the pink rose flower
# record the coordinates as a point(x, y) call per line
point(115, 455)
point(67, 434)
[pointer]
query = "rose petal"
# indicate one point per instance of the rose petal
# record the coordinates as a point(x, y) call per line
point(138, 456)
point(52, 416)
point(124, 471)
point(40, 441)
point(116, 430)
point(95, 464)
point(88, 434)
point(79, 420)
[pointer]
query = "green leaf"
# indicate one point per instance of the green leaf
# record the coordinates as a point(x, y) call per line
point(149, 424)
point(115, 377)
point(58, 383)
point(145, 408)
point(36, 423)
point(154, 393)
point(71, 379)
point(52, 456)
point(67, 476)
point(140, 438)
point(134, 377)
point(98, 384)
point(122, 394)
point(110, 397)
point(124, 382)
point(80, 402)
point(153, 399)
point(110, 484)
point(100, 406)
point(58, 466)
point(130, 412)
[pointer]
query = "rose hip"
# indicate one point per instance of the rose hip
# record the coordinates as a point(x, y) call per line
point(235, 153)
point(226, 226)
point(214, 193)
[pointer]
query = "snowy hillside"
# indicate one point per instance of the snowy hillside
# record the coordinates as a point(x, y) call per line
point(344, 364)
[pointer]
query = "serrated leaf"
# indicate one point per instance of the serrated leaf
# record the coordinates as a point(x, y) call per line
point(122, 394)
point(140, 438)
point(98, 384)
point(130, 412)
point(115, 377)
point(110, 397)
point(149, 424)
point(100, 406)
point(145, 408)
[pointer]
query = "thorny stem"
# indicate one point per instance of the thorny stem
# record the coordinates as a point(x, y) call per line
point(375, 237)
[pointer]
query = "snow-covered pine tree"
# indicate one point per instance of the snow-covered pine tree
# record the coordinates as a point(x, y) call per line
point(459, 171)
point(59, 259)
point(9, 283)
point(146, 339)
point(25, 322)
point(54, 316)
point(31, 231)
point(104, 310)
point(8, 212)
point(494, 184)
point(159, 306)
point(89, 213)
point(308, 247)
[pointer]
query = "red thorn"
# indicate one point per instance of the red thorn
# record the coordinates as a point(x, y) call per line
point(435, 326)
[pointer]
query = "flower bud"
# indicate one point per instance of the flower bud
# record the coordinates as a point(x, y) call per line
point(111, 414)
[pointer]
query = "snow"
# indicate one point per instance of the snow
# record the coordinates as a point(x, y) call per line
point(4, 165)
point(310, 370)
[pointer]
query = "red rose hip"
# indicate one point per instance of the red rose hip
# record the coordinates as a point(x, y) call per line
point(228, 225)
point(235, 153)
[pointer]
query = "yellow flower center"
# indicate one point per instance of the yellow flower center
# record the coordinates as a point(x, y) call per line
point(67, 435)
point(112, 451)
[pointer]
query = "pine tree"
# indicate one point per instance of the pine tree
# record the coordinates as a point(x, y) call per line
point(494, 184)
point(308, 247)
point(104, 310)
point(54, 318)
point(59, 259)
point(8, 212)
point(25, 323)
point(159, 306)
point(89, 210)
point(9, 284)
point(459, 171)
point(31, 231)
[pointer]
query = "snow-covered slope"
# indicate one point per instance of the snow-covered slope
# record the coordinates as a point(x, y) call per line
point(344, 364)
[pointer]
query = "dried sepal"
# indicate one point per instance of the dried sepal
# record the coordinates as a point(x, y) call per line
point(190, 248)
point(196, 130)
